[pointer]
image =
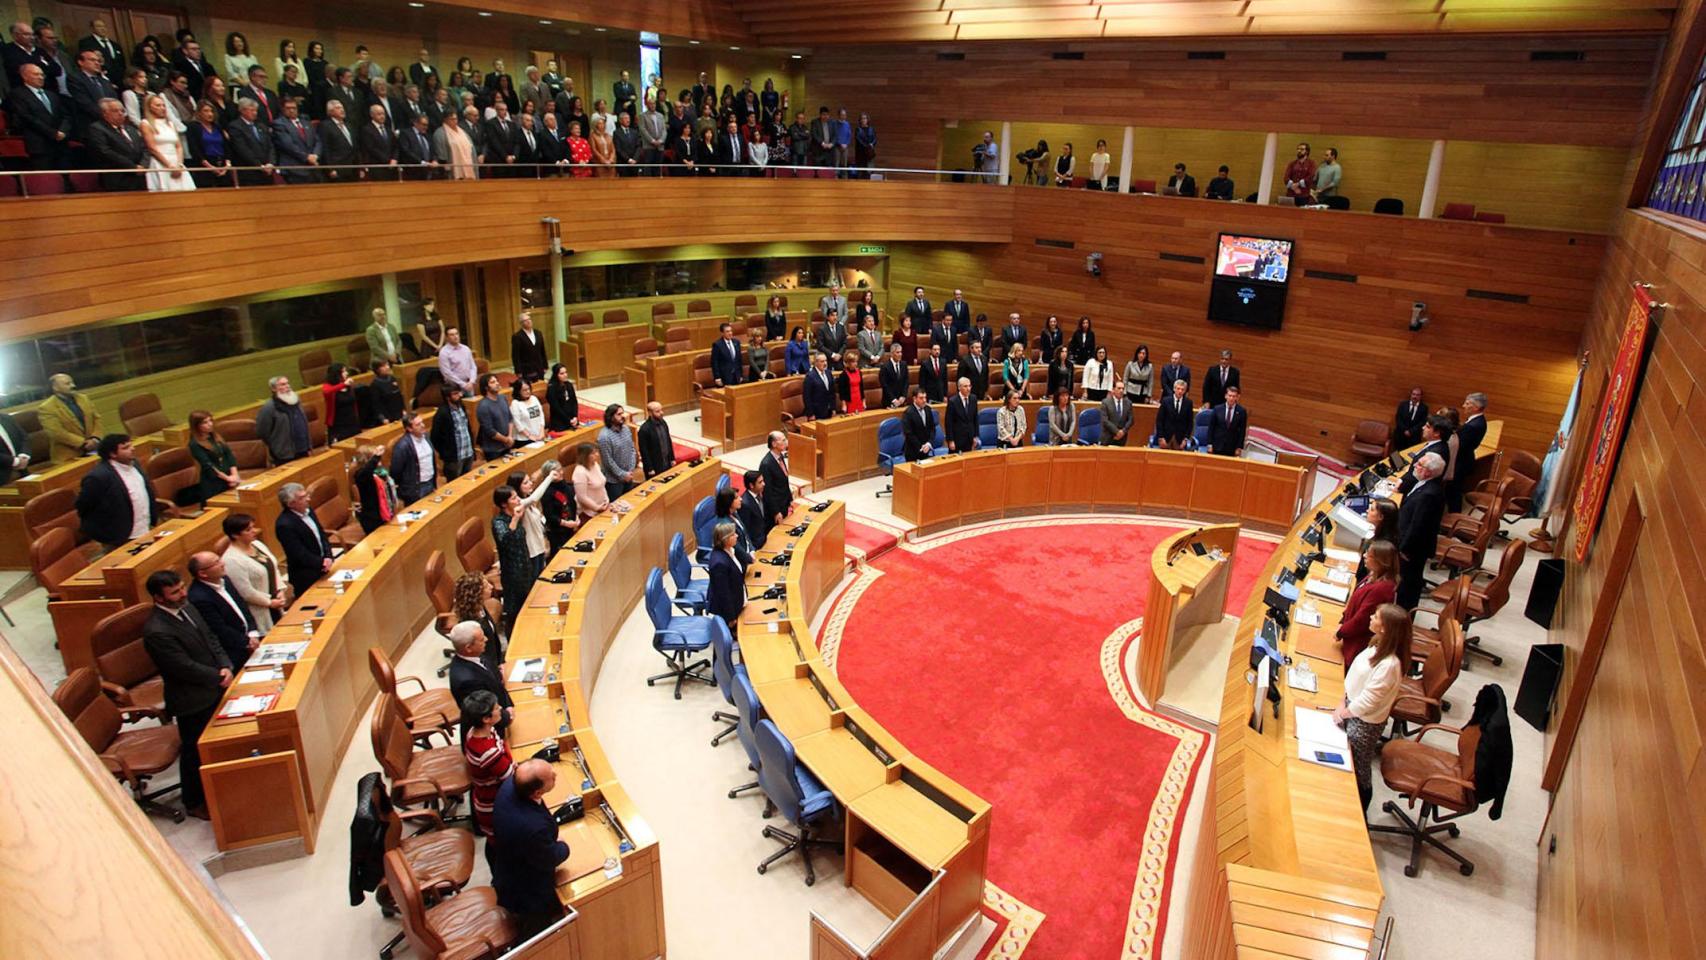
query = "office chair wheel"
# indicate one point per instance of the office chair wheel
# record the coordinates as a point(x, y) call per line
point(177, 816)
point(1409, 870)
point(761, 868)
point(1466, 869)
point(1498, 661)
point(1452, 829)
point(810, 880)
point(1389, 807)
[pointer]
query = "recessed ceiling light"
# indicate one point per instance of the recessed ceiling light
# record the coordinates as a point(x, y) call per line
point(546, 22)
point(485, 13)
point(599, 29)
point(417, 6)
point(734, 48)
point(693, 43)
point(797, 56)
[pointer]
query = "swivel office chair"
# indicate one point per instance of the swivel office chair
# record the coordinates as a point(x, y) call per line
point(676, 638)
point(690, 595)
point(793, 790)
point(750, 712)
point(725, 669)
point(891, 450)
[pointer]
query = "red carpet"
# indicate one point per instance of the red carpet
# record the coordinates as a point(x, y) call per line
point(1008, 628)
point(871, 542)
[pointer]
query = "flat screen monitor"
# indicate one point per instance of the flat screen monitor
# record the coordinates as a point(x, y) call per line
point(1264, 259)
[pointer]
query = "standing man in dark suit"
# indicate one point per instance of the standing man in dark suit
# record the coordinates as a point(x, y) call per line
point(266, 101)
point(471, 670)
point(43, 118)
point(375, 146)
point(1175, 422)
point(527, 350)
point(1226, 430)
point(975, 367)
point(500, 138)
point(189, 61)
point(527, 149)
point(778, 493)
point(629, 144)
point(918, 426)
point(251, 145)
point(1175, 369)
point(423, 68)
point(725, 357)
point(115, 145)
point(227, 618)
point(1014, 333)
point(942, 335)
point(918, 309)
point(337, 144)
point(893, 377)
point(958, 313)
point(411, 460)
point(754, 519)
point(195, 670)
point(14, 449)
point(23, 50)
point(112, 55)
point(414, 150)
point(818, 391)
point(1436, 432)
point(307, 551)
point(933, 374)
point(981, 333)
point(524, 864)
point(1418, 527)
point(961, 428)
point(1469, 437)
point(657, 447)
point(1116, 416)
point(342, 91)
point(87, 87)
point(1407, 421)
point(832, 336)
point(116, 503)
point(296, 144)
point(1218, 380)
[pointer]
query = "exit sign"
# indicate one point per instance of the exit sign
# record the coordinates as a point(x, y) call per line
point(873, 248)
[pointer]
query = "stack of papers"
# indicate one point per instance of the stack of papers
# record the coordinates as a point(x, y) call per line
point(1338, 576)
point(1328, 591)
point(410, 516)
point(528, 671)
point(1341, 555)
point(1319, 739)
point(247, 706)
point(260, 675)
point(274, 653)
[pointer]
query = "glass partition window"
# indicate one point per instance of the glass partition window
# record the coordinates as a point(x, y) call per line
point(1678, 187)
point(675, 278)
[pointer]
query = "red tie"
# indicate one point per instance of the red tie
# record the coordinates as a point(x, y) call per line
point(301, 132)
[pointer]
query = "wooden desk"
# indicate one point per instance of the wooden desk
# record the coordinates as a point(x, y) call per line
point(292, 749)
point(257, 496)
point(1185, 590)
point(917, 843)
point(953, 490)
point(752, 411)
point(701, 327)
point(667, 379)
point(604, 351)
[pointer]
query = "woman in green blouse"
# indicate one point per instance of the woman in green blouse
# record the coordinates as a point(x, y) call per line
point(218, 465)
point(1016, 371)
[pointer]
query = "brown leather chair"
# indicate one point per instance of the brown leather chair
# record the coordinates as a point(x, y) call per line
point(441, 590)
point(793, 402)
point(1439, 779)
point(251, 455)
point(1458, 557)
point(127, 672)
point(441, 861)
point(133, 756)
point(433, 709)
point(237, 430)
point(645, 347)
point(677, 340)
point(1371, 441)
point(1484, 602)
point(333, 511)
point(142, 415)
point(738, 327)
point(746, 303)
point(1421, 699)
point(435, 776)
point(173, 471)
point(360, 354)
point(316, 427)
point(50, 509)
point(1037, 385)
point(581, 319)
point(1424, 639)
point(1523, 470)
point(467, 926)
point(611, 318)
point(662, 310)
point(41, 449)
point(55, 558)
point(475, 551)
point(702, 379)
point(312, 367)
point(698, 308)
point(1458, 211)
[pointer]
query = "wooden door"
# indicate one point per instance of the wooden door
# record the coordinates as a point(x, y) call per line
point(74, 20)
point(574, 67)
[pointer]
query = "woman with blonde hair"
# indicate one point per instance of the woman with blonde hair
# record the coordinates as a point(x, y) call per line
point(373, 485)
point(1371, 688)
point(165, 148)
point(603, 148)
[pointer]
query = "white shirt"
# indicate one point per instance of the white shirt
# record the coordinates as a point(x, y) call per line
point(1099, 374)
point(219, 588)
point(139, 502)
point(1372, 688)
point(423, 456)
point(528, 418)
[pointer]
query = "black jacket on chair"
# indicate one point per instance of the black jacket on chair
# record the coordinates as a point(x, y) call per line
point(188, 657)
point(304, 550)
point(103, 505)
point(229, 627)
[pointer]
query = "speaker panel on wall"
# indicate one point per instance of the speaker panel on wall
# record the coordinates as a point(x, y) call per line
point(1543, 597)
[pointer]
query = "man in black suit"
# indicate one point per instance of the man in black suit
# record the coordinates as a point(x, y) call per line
point(227, 617)
point(307, 551)
point(1182, 181)
point(112, 55)
point(1175, 422)
point(1407, 421)
point(958, 313)
point(981, 333)
point(657, 447)
point(1418, 527)
point(376, 146)
point(337, 144)
point(918, 309)
point(116, 503)
point(1014, 334)
point(778, 493)
point(961, 426)
point(629, 144)
point(411, 460)
point(266, 102)
point(1226, 430)
point(1219, 379)
point(818, 391)
point(725, 357)
point(933, 374)
point(114, 144)
point(342, 91)
point(975, 367)
point(1175, 369)
point(527, 851)
point(1436, 432)
point(1469, 437)
point(942, 335)
point(527, 354)
point(918, 426)
point(88, 86)
point(751, 513)
point(832, 336)
point(43, 118)
point(500, 139)
point(471, 670)
point(526, 148)
point(731, 151)
point(188, 60)
point(414, 150)
point(552, 147)
point(893, 377)
point(423, 68)
point(14, 449)
point(23, 50)
point(195, 671)
point(379, 95)
point(251, 145)
point(296, 145)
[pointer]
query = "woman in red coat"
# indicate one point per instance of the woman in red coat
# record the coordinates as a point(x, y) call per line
point(1379, 586)
point(488, 758)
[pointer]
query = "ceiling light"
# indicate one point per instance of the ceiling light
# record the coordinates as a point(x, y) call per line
point(599, 29)
point(734, 48)
point(797, 56)
point(485, 13)
point(416, 5)
point(545, 22)
point(693, 43)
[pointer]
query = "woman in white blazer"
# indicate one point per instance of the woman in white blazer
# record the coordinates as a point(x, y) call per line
point(260, 581)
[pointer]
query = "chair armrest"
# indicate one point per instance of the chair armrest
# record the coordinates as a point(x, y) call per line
point(113, 760)
point(1435, 726)
point(443, 622)
point(473, 951)
point(1441, 779)
point(132, 714)
point(417, 680)
point(113, 690)
point(430, 816)
point(401, 782)
point(1419, 701)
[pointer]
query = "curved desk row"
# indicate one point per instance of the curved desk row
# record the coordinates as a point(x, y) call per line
point(988, 484)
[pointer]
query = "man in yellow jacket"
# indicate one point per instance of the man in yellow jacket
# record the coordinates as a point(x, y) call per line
point(72, 423)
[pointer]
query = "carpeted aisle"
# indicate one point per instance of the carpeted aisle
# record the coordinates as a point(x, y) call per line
point(983, 655)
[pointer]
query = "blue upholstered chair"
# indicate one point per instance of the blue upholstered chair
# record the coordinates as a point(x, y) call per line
point(1090, 426)
point(1205, 416)
point(676, 638)
point(797, 794)
point(704, 518)
point(690, 594)
point(891, 448)
point(725, 669)
point(746, 727)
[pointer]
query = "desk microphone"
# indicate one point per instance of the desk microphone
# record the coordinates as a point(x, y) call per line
point(1180, 552)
